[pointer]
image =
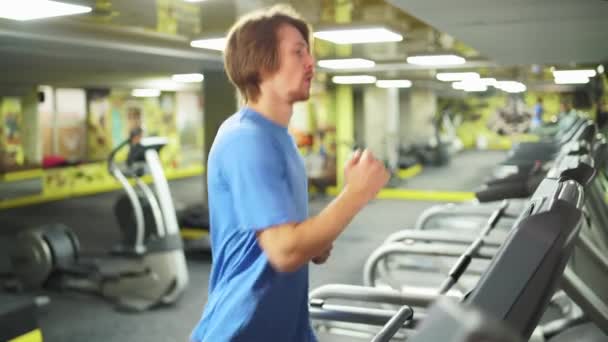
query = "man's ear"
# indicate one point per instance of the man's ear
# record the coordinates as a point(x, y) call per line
point(264, 74)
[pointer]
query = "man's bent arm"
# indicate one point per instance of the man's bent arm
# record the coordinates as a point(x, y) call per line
point(290, 246)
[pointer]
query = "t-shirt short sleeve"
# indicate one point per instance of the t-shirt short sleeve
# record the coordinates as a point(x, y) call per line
point(254, 170)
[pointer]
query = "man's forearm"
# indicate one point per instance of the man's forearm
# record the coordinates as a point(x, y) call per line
point(316, 235)
point(290, 246)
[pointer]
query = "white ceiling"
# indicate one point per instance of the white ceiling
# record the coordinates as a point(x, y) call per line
point(516, 32)
point(52, 51)
point(508, 32)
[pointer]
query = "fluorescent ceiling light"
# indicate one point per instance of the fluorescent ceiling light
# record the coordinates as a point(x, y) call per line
point(456, 76)
point(348, 63)
point(574, 73)
point(474, 83)
point(211, 44)
point(357, 79)
point(145, 92)
point(359, 36)
point(600, 69)
point(436, 60)
point(36, 9)
point(458, 85)
point(571, 80)
point(394, 83)
point(475, 89)
point(188, 78)
point(488, 81)
point(461, 85)
point(511, 86)
point(470, 86)
point(164, 85)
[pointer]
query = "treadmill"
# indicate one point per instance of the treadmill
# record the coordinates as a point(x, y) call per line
point(538, 247)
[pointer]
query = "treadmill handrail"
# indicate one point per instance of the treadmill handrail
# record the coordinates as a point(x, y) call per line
point(393, 325)
point(383, 251)
point(111, 158)
point(465, 259)
point(163, 193)
point(138, 211)
point(351, 314)
point(157, 213)
point(413, 296)
point(441, 237)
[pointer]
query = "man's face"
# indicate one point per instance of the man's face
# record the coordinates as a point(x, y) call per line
point(292, 80)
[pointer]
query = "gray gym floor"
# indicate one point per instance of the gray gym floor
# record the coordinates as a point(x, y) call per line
point(77, 317)
point(465, 172)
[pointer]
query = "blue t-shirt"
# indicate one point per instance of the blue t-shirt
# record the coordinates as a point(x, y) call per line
point(256, 179)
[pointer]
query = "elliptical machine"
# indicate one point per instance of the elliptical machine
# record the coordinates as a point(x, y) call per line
point(153, 274)
point(138, 223)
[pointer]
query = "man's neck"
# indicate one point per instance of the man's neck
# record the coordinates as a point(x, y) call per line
point(278, 112)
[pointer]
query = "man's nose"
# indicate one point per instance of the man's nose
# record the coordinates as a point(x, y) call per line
point(310, 63)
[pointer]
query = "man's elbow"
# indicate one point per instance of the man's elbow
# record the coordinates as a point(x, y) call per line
point(287, 262)
point(283, 248)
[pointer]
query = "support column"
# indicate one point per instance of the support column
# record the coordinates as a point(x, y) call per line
point(32, 141)
point(420, 108)
point(220, 102)
point(345, 118)
point(392, 128)
point(345, 129)
point(381, 120)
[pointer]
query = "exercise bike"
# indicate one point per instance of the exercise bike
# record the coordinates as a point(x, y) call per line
point(154, 274)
